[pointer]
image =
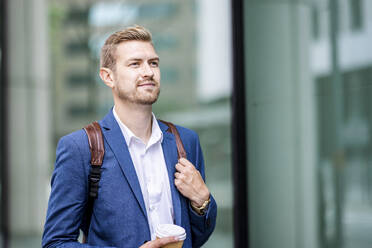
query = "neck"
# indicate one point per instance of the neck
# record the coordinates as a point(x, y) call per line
point(138, 118)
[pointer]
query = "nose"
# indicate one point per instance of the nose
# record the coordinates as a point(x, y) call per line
point(147, 71)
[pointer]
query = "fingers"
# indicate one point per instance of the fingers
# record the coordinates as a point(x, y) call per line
point(178, 175)
point(158, 243)
point(185, 173)
point(179, 184)
point(184, 165)
point(180, 168)
point(161, 242)
point(185, 162)
point(183, 177)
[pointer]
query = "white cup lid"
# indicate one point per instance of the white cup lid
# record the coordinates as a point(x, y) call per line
point(166, 230)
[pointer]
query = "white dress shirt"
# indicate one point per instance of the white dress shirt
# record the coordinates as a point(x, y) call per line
point(149, 163)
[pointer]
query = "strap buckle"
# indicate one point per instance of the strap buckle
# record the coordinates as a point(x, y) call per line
point(94, 177)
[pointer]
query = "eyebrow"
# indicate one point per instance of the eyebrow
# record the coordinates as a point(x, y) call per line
point(138, 59)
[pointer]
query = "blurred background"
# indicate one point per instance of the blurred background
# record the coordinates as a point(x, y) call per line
point(308, 76)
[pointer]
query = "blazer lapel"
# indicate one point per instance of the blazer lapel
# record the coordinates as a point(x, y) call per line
point(115, 139)
point(170, 155)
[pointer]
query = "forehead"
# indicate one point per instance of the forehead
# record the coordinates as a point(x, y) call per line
point(135, 50)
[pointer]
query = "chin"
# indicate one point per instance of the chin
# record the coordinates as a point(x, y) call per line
point(146, 101)
point(149, 100)
point(141, 99)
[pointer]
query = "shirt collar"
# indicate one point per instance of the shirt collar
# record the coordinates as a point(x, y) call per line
point(156, 133)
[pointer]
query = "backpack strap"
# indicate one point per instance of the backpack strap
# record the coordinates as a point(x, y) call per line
point(172, 129)
point(97, 150)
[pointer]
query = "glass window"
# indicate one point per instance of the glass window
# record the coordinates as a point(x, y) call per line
point(309, 138)
point(315, 22)
point(356, 12)
point(54, 89)
point(192, 39)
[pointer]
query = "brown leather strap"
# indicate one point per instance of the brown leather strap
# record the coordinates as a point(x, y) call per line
point(97, 151)
point(180, 149)
point(96, 146)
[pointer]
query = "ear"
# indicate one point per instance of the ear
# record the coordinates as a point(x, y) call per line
point(107, 76)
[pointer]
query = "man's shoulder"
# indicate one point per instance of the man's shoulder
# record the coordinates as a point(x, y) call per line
point(76, 138)
point(186, 131)
point(187, 135)
point(79, 137)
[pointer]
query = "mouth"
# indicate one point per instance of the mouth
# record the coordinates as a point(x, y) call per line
point(147, 84)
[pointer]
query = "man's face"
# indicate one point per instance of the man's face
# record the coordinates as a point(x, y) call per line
point(137, 73)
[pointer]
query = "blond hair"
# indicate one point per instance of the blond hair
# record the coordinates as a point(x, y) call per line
point(108, 58)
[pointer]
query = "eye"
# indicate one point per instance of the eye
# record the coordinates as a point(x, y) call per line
point(134, 64)
point(154, 63)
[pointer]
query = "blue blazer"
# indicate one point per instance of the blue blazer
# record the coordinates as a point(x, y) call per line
point(119, 216)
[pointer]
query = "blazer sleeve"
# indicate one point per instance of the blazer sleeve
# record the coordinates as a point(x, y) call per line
point(69, 189)
point(202, 226)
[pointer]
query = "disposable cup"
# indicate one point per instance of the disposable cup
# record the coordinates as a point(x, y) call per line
point(167, 230)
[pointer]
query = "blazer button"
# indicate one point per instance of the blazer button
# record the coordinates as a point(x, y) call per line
point(208, 222)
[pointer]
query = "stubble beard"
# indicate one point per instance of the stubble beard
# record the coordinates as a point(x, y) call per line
point(141, 98)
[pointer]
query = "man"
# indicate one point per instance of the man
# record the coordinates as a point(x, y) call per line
point(143, 183)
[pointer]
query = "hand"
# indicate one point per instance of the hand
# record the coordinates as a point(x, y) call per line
point(158, 243)
point(190, 183)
